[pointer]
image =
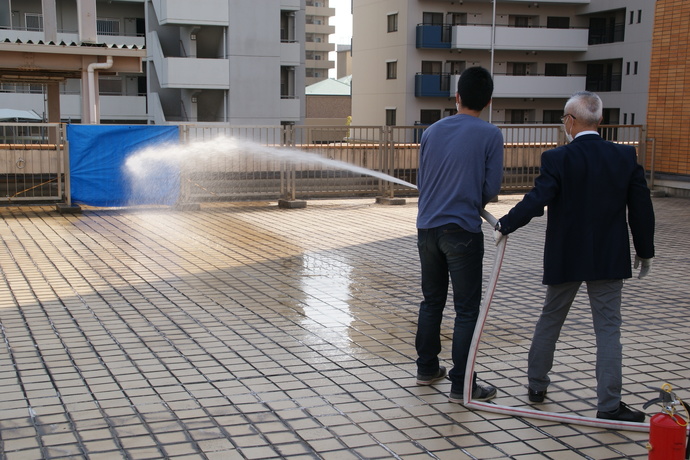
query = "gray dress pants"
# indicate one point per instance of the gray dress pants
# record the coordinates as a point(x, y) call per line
point(605, 301)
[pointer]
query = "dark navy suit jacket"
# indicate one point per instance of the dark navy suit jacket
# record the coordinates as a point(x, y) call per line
point(589, 185)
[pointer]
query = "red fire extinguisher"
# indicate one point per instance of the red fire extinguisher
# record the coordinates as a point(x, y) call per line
point(668, 429)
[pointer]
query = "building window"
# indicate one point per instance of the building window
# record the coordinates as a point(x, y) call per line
point(558, 22)
point(449, 112)
point(432, 19)
point(521, 21)
point(519, 68)
point(604, 76)
point(627, 68)
point(391, 70)
point(428, 117)
point(287, 82)
point(105, 26)
point(287, 26)
point(390, 117)
point(555, 69)
point(393, 22)
point(456, 67)
point(632, 17)
point(606, 30)
point(518, 116)
point(625, 118)
point(34, 21)
point(459, 19)
point(611, 117)
point(432, 67)
point(639, 16)
point(632, 118)
point(110, 86)
point(552, 116)
point(635, 68)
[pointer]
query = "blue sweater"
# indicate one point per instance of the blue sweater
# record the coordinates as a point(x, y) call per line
point(460, 170)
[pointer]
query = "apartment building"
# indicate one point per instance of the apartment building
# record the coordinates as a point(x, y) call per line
point(407, 57)
point(210, 61)
point(52, 49)
point(316, 45)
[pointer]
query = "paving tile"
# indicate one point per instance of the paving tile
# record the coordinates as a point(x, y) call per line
point(245, 331)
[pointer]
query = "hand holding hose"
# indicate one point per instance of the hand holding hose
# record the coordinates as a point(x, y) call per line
point(498, 236)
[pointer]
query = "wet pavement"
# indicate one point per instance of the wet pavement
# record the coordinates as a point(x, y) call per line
point(247, 331)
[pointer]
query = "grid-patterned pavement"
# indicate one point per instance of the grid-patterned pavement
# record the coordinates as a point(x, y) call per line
point(249, 331)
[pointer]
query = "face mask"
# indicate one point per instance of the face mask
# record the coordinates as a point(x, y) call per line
point(568, 136)
point(457, 107)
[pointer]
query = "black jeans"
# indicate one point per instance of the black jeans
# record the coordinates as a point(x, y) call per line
point(448, 253)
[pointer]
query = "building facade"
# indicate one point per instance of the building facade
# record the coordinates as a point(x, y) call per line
point(669, 96)
point(316, 45)
point(407, 57)
point(206, 61)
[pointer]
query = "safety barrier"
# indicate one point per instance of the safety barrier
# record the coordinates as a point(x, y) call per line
point(389, 150)
point(278, 162)
point(32, 164)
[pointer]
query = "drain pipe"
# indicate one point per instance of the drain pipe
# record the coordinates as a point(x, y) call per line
point(92, 85)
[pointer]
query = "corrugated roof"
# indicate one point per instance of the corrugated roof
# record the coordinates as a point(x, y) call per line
point(329, 87)
point(74, 44)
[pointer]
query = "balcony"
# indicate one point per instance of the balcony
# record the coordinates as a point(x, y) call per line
point(290, 53)
point(433, 85)
point(319, 64)
point(519, 38)
point(290, 4)
point(323, 11)
point(537, 86)
point(323, 29)
point(434, 37)
point(182, 72)
point(194, 73)
point(290, 108)
point(530, 86)
point(213, 13)
point(563, 2)
point(325, 47)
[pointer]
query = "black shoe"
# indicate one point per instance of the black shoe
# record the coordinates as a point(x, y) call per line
point(481, 393)
point(624, 413)
point(536, 396)
point(484, 393)
point(431, 379)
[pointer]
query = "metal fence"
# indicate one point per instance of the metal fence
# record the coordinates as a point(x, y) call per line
point(303, 162)
point(233, 163)
point(32, 162)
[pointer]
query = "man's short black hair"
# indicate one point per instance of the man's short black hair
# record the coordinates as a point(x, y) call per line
point(475, 88)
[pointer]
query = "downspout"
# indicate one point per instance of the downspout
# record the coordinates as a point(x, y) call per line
point(92, 85)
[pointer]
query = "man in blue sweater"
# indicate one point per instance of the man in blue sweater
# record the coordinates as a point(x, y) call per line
point(460, 170)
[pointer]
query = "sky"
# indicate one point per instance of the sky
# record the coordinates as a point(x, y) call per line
point(343, 27)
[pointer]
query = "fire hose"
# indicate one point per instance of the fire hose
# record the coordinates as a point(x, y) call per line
point(519, 411)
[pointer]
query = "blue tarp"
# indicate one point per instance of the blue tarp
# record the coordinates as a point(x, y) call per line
point(97, 159)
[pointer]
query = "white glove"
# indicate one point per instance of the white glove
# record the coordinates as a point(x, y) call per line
point(644, 264)
point(498, 236)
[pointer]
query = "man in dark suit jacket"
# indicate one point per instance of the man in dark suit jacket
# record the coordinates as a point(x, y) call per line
point(588, 185)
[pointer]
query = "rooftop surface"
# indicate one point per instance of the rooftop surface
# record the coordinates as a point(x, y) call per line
point(247, 331)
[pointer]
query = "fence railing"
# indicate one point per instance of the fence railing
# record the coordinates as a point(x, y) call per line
point(32, 162)
point(233, 163)
point(281, 169)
